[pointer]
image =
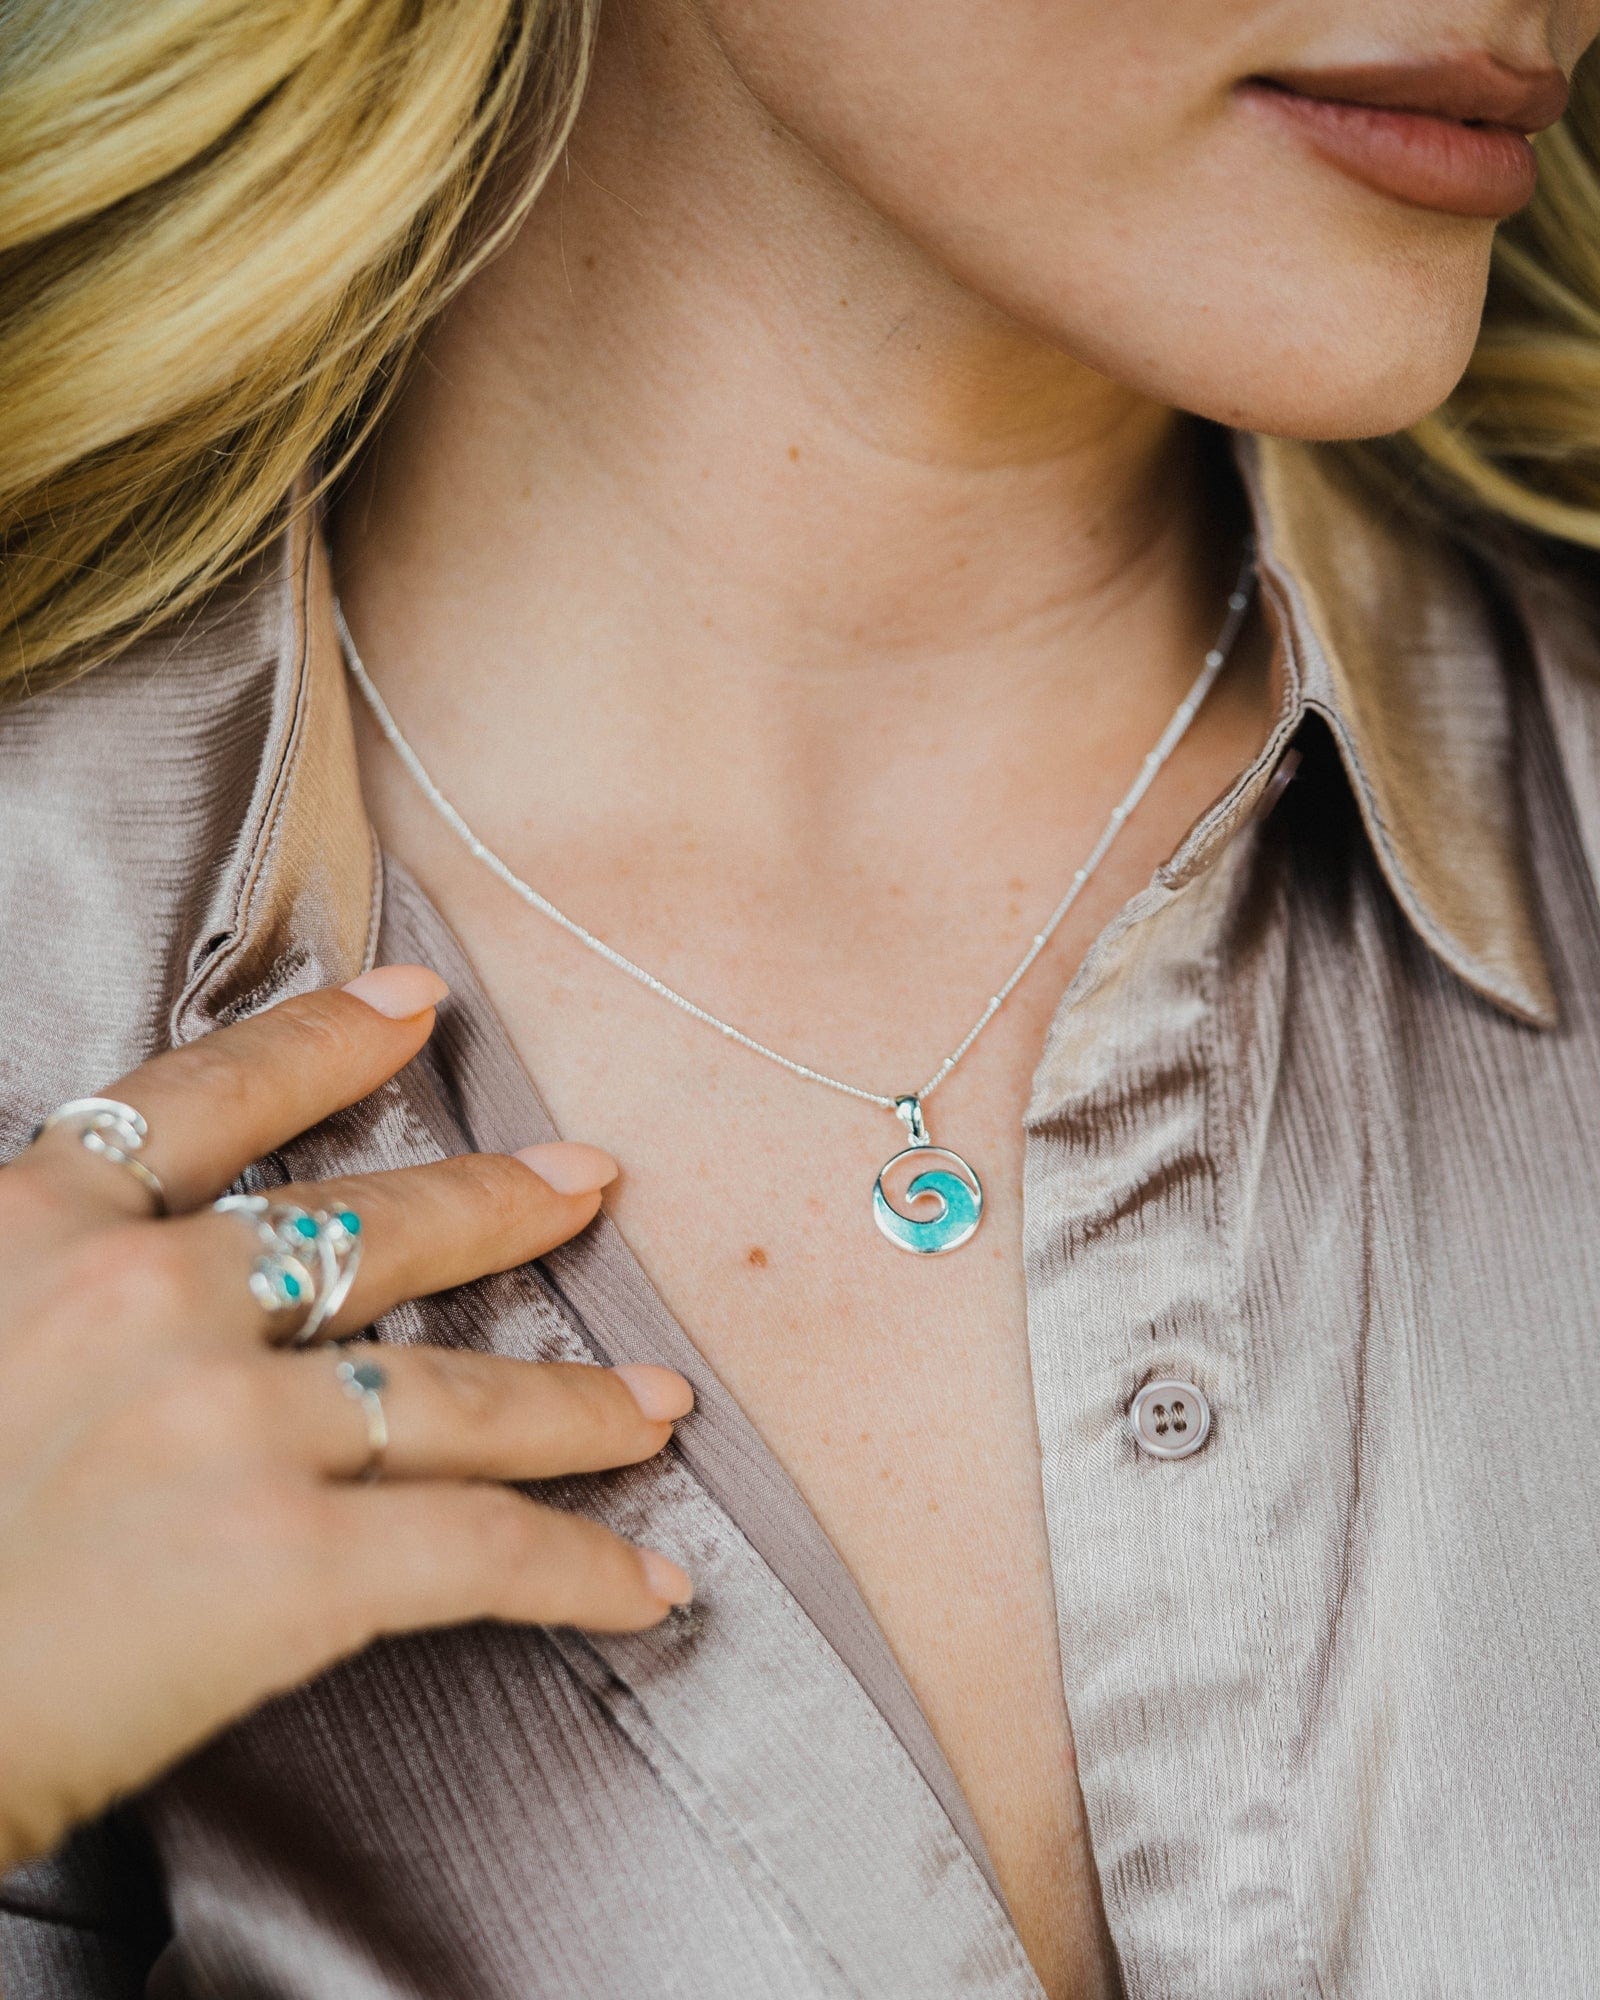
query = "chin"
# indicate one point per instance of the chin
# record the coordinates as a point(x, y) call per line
point(1324, 352)
point(1325, 393)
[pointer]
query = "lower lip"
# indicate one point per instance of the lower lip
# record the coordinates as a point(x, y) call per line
point(1479, 170)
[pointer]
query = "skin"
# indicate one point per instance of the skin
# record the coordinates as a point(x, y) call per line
point(814, 486)
point(814, 483)
point(811, 497)
point(180, 1534)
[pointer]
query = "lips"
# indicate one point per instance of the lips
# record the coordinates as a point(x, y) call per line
point(1448, 135)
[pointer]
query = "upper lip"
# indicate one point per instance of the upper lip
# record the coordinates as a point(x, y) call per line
point(1475, 88)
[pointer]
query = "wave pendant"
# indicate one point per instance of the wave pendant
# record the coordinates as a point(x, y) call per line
point(941, 1182)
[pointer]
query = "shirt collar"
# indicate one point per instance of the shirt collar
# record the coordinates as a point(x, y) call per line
point(1386, 631)
point(1390, 634)
point(296, 904)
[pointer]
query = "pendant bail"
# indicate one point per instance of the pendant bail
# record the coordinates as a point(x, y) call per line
point(909, 1110)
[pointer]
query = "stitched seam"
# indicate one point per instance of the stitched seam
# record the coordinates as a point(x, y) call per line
point(369, 949)
point(1388, 846)
point(1281, 586)
point(1228, 1222)
point(1379, 831)
point(258, 842)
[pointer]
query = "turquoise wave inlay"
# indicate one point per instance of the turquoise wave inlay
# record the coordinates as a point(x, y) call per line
point(959, 1213)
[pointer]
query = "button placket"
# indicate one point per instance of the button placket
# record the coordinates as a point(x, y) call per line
point(1143, 1123)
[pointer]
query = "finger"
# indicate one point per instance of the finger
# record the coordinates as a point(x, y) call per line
point(223, 1101)
point(420, 1229)
point(452, 1415)
point(427, 1228)
point(188, 1281)
point(399, 1558)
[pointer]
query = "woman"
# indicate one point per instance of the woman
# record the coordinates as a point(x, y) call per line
point(841, 546)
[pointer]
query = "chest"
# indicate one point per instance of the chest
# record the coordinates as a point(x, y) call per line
point(895, 1389)
point(1257, 1177)
point(1268, 1165)
point(1360, 1216)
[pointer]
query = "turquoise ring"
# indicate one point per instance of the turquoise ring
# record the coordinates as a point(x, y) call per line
point(339, 1241)
point(364, 1382)
point(285, 1276)
point(305, 1262)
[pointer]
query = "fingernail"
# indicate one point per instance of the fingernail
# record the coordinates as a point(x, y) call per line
point(399, 991)
point(664, 1578)
point(662, 1393)
point(569, 1167)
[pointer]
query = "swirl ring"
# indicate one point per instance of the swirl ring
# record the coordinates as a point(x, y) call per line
point(307, 1261)
point(113, 1130)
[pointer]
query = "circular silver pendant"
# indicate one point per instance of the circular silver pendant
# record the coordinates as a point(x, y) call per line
point(942, 1197)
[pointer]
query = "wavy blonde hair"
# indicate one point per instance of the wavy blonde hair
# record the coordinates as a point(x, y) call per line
point(224, 223)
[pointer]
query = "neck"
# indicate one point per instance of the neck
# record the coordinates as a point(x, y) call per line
point(716, 457)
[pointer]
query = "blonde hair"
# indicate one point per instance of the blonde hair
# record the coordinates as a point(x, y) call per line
point(1518, 444)
point(224, 223)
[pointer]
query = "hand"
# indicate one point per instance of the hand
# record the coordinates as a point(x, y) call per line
point(183, 1531)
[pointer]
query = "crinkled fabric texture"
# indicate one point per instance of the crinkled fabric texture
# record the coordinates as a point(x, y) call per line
point(1316, 1129)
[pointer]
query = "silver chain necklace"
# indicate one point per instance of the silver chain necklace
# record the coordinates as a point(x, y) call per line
point(941, 1190)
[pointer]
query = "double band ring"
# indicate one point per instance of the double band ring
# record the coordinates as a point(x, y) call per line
point(364, 1381)
point(305, 1262)
point(112, 1130)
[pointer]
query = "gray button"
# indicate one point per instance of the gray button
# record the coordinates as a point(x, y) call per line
point(1169, 1419)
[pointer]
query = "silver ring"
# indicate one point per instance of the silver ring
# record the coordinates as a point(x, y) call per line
point(339, 1245)
point(308, 1258)
point(114, 1131)
point(364, 1381)
point(287, 1272)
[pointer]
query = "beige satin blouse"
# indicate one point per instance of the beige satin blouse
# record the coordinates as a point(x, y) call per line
point(1312, 1251)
